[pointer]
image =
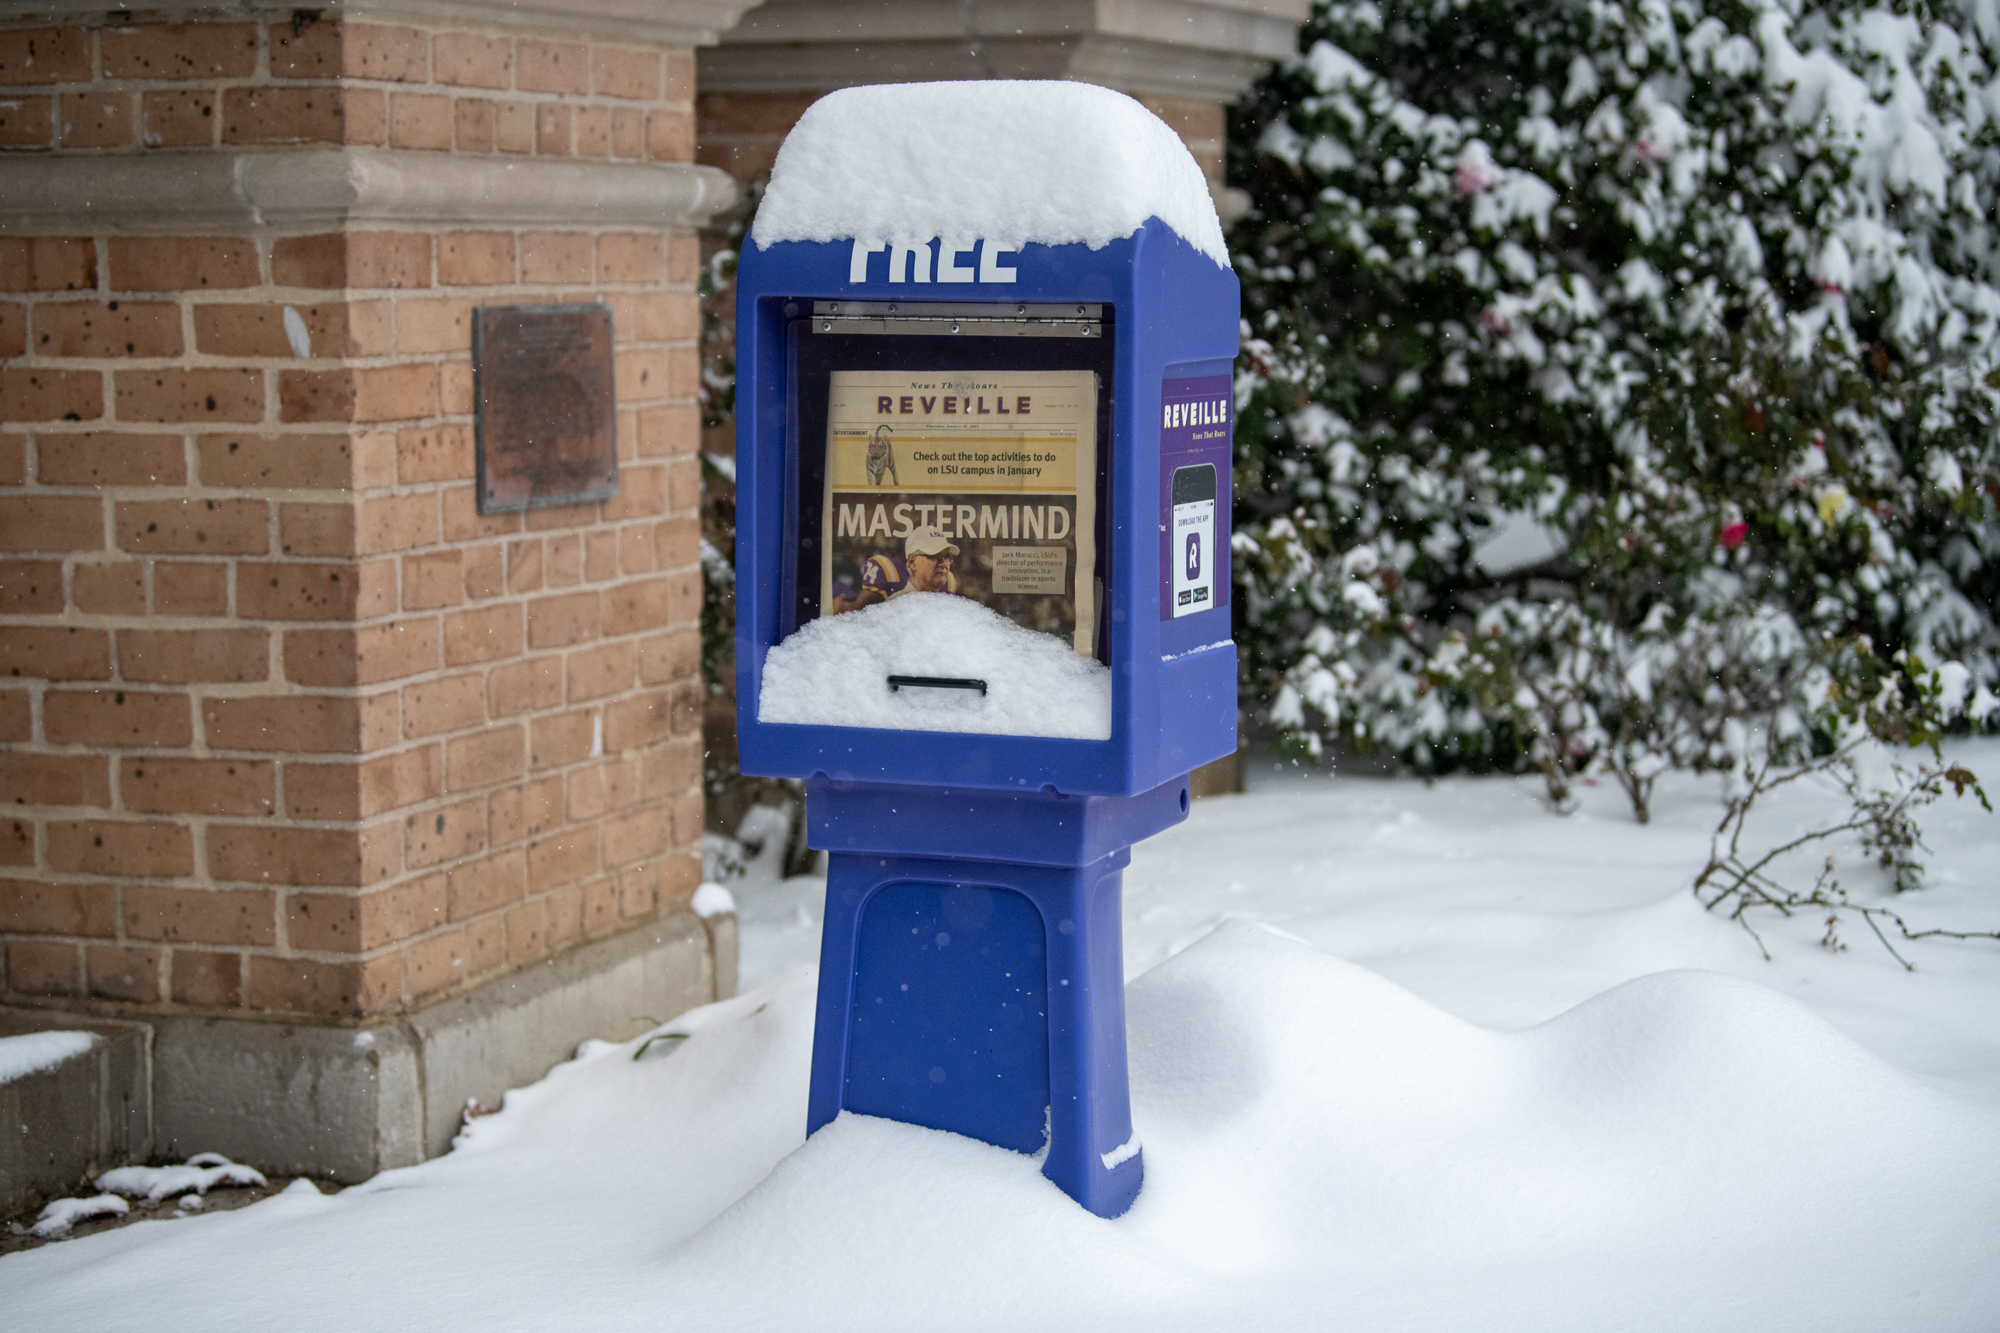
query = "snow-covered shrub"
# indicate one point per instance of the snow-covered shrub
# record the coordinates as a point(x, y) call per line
point(730, 795)
point(1636, 701)
point(717, 394)
point(1883, 726)
point(1606, 362)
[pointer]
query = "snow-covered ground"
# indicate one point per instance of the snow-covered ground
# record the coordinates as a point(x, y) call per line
point(1507, 1075)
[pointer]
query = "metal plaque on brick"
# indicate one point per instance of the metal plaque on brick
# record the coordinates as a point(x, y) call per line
point(544, 404)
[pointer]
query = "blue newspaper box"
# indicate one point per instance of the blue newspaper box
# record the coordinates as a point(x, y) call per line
point(983, 471)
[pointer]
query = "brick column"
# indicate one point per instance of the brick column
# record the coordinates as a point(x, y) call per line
point(291, 729)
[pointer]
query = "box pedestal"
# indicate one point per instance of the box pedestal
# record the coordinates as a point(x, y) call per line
point(985, 996)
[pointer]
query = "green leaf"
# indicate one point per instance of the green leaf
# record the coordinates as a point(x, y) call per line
point(647, 1044)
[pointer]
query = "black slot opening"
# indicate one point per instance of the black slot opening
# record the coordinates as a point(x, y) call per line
point(938, 683)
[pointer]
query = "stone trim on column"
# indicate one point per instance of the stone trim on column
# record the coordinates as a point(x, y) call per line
point(676, 22)
point(176, 192)
point(1186, 60)
point(1207, 50)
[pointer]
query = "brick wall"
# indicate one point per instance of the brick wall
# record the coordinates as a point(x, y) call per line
point(288, 726)
point(286, 82)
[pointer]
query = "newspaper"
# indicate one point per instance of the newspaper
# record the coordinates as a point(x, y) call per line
point(978, 483)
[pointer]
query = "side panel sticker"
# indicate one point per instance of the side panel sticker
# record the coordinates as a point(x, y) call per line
point(1195, 429)
point(1194, 538)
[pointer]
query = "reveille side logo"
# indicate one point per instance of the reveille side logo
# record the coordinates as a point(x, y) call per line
point(935, 260)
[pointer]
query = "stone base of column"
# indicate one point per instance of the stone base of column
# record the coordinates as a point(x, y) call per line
point(344, 1102)
point(87, 1110)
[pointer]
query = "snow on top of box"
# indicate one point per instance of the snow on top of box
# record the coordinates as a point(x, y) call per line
point(1012, 161)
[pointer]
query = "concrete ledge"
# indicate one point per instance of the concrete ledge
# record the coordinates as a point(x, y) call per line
point(1208, 50)
point(1266, 28)
point(513, 1031)
point(85, 1114)
point(1138, 67)
point(334, 186)
point(676, 22)
point(339, 1102)
point(723, 948)
point(349, 1102)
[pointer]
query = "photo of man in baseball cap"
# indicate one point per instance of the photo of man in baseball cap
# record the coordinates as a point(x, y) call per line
point(927, 556)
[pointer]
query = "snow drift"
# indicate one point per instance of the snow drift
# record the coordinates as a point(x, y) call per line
point(1323, 1149)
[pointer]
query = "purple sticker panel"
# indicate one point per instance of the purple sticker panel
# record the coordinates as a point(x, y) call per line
point(1195, 428)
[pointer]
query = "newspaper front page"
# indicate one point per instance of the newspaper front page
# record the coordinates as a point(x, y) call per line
point(982, 484)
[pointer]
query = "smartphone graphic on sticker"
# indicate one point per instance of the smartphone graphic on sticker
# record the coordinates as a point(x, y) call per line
point(1193, 544)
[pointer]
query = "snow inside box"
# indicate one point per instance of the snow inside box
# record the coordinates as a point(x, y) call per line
point(835, 672)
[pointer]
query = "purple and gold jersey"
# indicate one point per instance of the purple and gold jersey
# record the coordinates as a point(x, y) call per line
point(882, 576)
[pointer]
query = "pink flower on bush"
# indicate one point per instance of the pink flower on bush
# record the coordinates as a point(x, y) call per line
point(1493, 321)
point(1476, 174)
point(1733, 535)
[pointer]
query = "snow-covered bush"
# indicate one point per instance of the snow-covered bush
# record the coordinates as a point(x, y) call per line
point(731, 797)
point(1605, 363)
point(1883, 724)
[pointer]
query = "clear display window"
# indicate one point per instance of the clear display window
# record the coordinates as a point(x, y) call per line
point(952, 449)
